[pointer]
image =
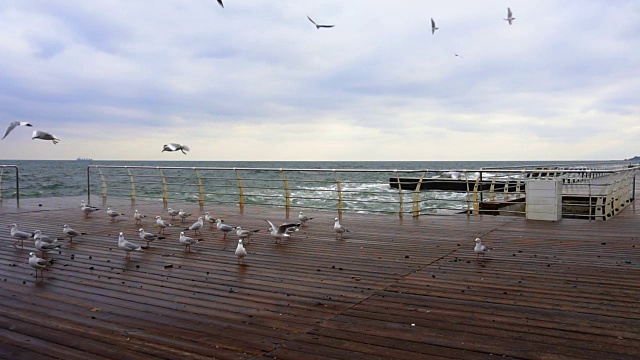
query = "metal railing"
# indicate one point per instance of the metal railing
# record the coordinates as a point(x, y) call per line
point(16, 188)
point(587, 193)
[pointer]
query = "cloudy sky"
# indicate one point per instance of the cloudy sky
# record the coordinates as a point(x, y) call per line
point(115, 80)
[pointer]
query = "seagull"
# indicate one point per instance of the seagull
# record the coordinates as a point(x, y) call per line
point(138, 216)
point(245, 234)
point(319, 26)
point(45, 243)
point(148, 237)
point(460, 56)
point(283, 231)
point(173, 213)
point(187, 241)
point(224, 227)
point(70, 233)
point(38, 263)
point(87, 209)
point(183, 214)
point(13, 125)
point(480, 249)
point(37, 134)
point(303, 218)
point(510, 17)
point(221, 4)
point(339, 229)
point(21, 236)
point(433, 27)
point(196, 226)
point(240, 252)
point(161, 224)
point(210, 219)
point(127, 246)
point(175, 147)
point(113, 214)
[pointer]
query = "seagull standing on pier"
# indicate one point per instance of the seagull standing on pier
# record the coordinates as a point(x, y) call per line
point(245, 234)
point(183, 215)
point(283, 231)
point(13, 125)
point(241, 252)
point(303, 218)
point(45, 243)
point(113, 214)
point(187, 241)
point(70, 233)
point(196, 226)
point(339, 229)
point(480, 249)
point(127, 246)
point(224, 227)
point(510, 17)
point(162, 224)
point(148, 237)
point(210, 219)
point(39, 264)
point(173, 213)
point(87, 209)
point(138, 216)
point(21, 236)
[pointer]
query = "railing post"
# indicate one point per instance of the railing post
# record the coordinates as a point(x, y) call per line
point(200, 189)
point(416, 196)
point(133, 188)
point(287, 193)
point(240, 189)
point(401, 207)
point(339, 189)
point(89, 185)
point(104, 187)
point(165, 193)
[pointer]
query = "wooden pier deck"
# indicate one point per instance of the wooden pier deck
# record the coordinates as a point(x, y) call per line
point(392, 289)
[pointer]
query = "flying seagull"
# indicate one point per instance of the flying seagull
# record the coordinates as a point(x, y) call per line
point(510, 17)
point(221, 4)
point(42, 135)
point(175, 147)
point(433, 27)
point(13, 125)
point(458, 55)
point(318, 26)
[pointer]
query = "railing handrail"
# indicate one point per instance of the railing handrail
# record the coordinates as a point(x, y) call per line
point(490, 170)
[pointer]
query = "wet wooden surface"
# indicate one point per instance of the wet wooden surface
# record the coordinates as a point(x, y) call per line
point(391, 289)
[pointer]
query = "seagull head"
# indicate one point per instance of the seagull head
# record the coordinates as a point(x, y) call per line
point(478, 240)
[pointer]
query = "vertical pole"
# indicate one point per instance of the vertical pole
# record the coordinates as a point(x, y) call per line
point(416, 196)
point(201, 190)
point(89, 185)
point(165, 193)
point(133, 188)
point(401, 210)
point(287, 193)
point(240, 189)
point(339, 189)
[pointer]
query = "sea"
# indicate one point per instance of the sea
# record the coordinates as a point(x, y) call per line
point(59, 178)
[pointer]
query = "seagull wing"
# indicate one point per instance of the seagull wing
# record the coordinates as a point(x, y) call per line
point(509, 14)
point(314, 23)
point(221, 4)
point(13, 125)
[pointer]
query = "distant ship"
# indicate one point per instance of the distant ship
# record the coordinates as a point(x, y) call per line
point(84, 159)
